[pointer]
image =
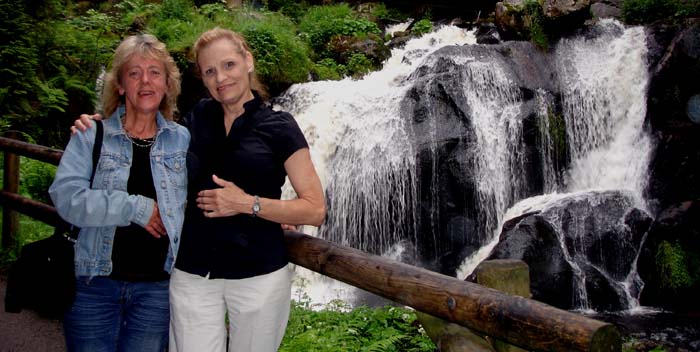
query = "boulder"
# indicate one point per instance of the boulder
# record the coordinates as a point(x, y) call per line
point(669, 261)
point(674, 57)
point(580, 249)
point(561, 8)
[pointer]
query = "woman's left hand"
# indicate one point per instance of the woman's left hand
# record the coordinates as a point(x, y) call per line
point(228, 200)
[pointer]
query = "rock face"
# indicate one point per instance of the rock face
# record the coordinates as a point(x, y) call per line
point(441, 112)
point(674, 56)
point(668, 263)
point(579, 249)
point(560, 8)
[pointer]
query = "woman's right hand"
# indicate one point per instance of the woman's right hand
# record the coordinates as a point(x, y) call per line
point(155, 224)
point(84, 122)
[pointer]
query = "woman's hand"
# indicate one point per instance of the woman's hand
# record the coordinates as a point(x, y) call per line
point(155, 224)
point(228, 200)
point(84, 122)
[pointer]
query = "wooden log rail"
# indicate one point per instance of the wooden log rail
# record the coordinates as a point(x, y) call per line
point(524, 322)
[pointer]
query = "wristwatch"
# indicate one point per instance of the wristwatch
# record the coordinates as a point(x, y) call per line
point(256, 206)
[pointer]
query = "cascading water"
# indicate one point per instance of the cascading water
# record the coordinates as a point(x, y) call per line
point(365, 156)
point(604, 83)
point(361, 151)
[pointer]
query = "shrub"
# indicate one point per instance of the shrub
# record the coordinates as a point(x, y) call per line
point(35, 179)
point(321, 23)
point(646, 11)
point(533, 12)
point(358, 65)
point(422, 26)
point(327, 69)
point(282, 57)
point(339, 328)
point(677, 268)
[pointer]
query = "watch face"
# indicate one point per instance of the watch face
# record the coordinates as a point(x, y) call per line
point(256, 208)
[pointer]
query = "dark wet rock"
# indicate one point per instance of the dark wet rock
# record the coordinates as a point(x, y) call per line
point(676, 229)
point(674, 57)
point(601, 234)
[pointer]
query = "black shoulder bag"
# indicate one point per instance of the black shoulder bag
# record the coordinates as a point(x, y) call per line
point(43, 277)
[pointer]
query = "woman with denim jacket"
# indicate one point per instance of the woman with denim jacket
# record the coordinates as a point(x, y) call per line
point(131, 216)
point(233, 262)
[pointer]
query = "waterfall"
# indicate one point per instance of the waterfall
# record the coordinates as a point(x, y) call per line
point(361, 151)
point(604, 82)
point(362, 147)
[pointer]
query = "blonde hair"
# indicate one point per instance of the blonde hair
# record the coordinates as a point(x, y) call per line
point(242, 47)
point(147, 46)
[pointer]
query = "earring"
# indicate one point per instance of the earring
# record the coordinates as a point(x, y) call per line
point(250, 69)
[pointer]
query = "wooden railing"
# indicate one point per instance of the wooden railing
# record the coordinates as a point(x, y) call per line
point(524, 322)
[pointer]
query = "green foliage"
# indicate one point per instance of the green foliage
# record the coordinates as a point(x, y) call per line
point(290, 8)
point(535, 17)
point(677, 268)
point(321, 23)
point(30, 230)
point(327, 69)
point(358, 65)
point(35, 179)
point(422, 26)
point(339, 328)
point(282, 58)
point(53, 51)
point(176, 9)
point(646, 11)
point(385, 14)
point(213, 11)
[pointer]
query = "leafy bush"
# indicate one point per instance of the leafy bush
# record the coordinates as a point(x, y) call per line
point(282, 57)
point(176, 9)
point(321, 23)
point(338, 328)
point(35, 179)
point(384, 14)
point(290, 8)
point(646, 11)
point(327, 69)
point(422, 26)
point(358, 65)
point(677, 268)
point(538, 35)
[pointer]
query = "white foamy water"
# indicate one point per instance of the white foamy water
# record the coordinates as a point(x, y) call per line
point(361, 151)
point(604, 81)
point(361, 148)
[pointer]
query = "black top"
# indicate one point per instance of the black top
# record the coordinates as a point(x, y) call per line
point(252, 156)
point(136, 254)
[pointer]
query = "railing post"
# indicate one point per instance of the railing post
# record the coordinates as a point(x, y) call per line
point(10, 218)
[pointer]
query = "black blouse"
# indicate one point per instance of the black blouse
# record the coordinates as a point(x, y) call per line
point(251, 156)
point(136, 254)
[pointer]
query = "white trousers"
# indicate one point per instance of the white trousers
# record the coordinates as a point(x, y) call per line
point(258, 310)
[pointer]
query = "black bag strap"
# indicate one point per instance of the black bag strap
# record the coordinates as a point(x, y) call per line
point(96, 149)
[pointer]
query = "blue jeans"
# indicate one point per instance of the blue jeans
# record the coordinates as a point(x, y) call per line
point(111, 315)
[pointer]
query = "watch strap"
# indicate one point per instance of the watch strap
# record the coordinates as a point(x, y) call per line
point(256, 206)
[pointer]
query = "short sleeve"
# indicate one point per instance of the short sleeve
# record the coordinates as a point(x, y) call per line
point(285, 135)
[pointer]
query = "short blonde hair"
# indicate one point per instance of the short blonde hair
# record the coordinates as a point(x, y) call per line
point(148, 46)
point(212, 35)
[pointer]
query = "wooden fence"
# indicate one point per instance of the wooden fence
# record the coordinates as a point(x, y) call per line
point(520, 321)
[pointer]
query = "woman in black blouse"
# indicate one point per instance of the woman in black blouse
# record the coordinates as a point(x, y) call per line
point(232, 258)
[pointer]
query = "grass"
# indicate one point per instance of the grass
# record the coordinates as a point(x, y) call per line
point(30, 230)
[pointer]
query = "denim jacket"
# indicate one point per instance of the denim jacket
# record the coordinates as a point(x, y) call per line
point(100, 209)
